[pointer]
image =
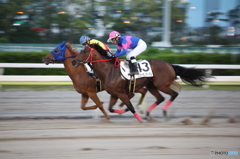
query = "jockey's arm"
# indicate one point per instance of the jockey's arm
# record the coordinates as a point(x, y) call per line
point(121, 50)
point(121, 53)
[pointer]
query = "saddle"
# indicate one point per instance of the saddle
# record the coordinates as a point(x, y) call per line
point(144, 69)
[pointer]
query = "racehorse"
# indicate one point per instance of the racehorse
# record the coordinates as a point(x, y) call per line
point(164, 75)
point(82, 81)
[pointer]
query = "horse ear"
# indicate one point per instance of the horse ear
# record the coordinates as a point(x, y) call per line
point(63, 43)
point(67, 44)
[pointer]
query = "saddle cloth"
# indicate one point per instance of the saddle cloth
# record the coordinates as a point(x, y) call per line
point(144, 69)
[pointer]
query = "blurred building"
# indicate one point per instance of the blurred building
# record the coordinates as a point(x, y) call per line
point(201, 10)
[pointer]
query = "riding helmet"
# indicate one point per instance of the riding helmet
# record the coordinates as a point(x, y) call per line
point(112, 35)
point(83, 39)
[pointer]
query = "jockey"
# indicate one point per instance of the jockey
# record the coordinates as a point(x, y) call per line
point(84, 40)
point(128, 42)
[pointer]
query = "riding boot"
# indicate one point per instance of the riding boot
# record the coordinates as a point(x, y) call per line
point(133, 66)
point(90, 71)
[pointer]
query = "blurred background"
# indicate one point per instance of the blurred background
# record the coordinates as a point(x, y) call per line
point(191, 22)
point(200, 33)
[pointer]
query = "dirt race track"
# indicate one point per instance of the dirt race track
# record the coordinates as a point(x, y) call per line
point(50, 125)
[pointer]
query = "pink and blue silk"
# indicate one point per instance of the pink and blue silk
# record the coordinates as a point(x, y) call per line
point(124, 43)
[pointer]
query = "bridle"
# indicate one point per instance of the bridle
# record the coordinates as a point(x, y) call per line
point(89, 58)
point(60, 56)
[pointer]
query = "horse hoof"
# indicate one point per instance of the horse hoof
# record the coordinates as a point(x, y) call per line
point(147, 114)
point(165, 113)
point(148, 118)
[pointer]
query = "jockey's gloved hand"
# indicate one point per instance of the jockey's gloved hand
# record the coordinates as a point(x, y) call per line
point(113, 56)
point(110, 55)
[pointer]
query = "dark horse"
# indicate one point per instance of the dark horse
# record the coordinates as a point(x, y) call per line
point(82, 81)
point(164, 75)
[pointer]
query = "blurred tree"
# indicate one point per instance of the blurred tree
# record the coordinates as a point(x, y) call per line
point(214, 34)
point(214, 16)
point(24, 35)
point(178, 16)
point(234, 16)
point(48, 21)
point(58, 22)
point(215, 30)
point(9, 10)
point(137, 17)
point(54, 17)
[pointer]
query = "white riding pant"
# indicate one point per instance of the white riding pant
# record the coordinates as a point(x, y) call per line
point(141, 46)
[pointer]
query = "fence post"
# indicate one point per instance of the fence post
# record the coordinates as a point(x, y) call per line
point(1, 71)
point(208, 73)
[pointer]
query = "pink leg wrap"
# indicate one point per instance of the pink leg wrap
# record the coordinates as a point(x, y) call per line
point(165, 107)
point(120, 111)
point(138, 117)
point(151, 107)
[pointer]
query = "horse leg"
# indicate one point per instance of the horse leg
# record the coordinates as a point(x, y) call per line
point(173, 95)
point(130, 95)
point(143, 92)
point(176, 86)
point(84, 101)
point(98, 103)
point(155, 92)
point(124, 98)
point(113, 100)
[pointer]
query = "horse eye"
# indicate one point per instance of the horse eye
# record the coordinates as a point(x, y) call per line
point(84, 51)
point(56, 50)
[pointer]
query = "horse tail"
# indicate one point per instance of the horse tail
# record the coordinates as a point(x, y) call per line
point(190, 75)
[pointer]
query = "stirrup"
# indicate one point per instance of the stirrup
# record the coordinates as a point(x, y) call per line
point(131, 74)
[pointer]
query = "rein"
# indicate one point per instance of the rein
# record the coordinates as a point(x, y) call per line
point(100, 60)
point(116, 62)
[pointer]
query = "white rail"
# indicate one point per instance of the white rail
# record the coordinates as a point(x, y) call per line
point(36, 78)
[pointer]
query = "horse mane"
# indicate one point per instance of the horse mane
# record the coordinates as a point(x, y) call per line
point(99, 49)
point(71, 49)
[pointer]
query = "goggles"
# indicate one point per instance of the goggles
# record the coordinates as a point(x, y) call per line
point(110, 40)
point(85, 43)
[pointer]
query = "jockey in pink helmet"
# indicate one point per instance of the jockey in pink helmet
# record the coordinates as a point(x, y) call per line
point(128, 42)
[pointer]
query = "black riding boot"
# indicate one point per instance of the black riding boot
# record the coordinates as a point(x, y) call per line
point(133, 67)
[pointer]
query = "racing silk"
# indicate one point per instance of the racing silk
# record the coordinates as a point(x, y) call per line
point(101, 44)
point(124, 43)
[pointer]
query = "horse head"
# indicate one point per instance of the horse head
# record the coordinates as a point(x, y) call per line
point(58, 54)
point(88, 54)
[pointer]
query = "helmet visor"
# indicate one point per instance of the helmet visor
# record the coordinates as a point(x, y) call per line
point(110, 40)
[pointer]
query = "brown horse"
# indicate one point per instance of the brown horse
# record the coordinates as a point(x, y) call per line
point(82, 81)
point(164, 75)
